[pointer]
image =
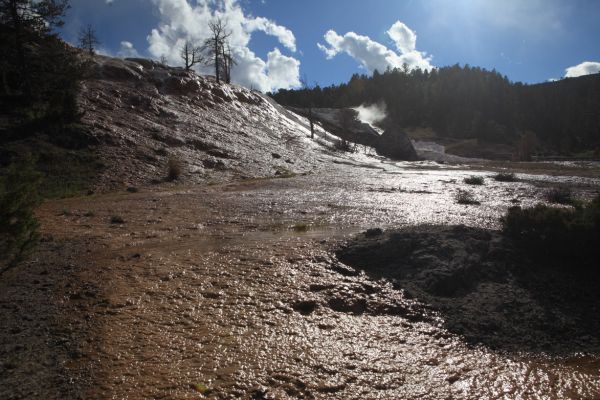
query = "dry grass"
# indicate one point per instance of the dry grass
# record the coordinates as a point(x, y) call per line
point(174, 169)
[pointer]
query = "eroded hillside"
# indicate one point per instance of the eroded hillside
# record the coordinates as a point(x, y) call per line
point(144, 113)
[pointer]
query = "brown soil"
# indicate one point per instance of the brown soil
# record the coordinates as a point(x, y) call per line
point(232, 291)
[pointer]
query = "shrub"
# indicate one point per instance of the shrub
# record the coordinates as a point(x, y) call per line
point(474, 180)
point(505, 177)
point(464, 197)
point(559, 195)
point(566, 236)
point(18, 199)
point(117, 219)
point(174, 169)
point(344, 145)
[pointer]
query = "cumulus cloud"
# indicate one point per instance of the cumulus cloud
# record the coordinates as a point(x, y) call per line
point(127, 50)
point(182, 21)
point(405, 39)
point(375, 56)
point(585, 68)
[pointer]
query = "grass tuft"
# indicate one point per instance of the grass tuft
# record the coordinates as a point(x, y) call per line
point(174, 169)
point(467, 198)
point(117, 219)
point(505, 177)
point(566, 237)
point(474, 180)
point(560, 195)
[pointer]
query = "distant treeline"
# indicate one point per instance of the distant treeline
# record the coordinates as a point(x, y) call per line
point(471, 102)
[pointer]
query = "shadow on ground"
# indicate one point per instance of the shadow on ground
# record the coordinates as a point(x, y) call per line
point(483, 287)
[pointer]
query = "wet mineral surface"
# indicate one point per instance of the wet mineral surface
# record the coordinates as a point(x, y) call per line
point(235, 291)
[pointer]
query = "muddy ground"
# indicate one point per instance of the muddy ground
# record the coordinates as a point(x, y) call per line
point(235, 291)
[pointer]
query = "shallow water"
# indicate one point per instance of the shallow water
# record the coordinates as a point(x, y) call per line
point(235, 288)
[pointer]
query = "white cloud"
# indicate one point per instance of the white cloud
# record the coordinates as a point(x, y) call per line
point(283, 34)
point(405, 39)
point(127, 50)
point(585, 68)
point(375, 56)
point(181, 20)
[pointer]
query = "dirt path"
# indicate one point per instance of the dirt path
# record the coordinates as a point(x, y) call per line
point(233, 292)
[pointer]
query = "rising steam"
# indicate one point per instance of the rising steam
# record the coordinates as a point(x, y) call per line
point(372, 114)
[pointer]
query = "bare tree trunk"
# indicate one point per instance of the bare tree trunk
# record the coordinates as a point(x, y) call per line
point(312, 126)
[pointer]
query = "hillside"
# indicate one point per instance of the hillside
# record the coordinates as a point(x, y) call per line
point(471, 103)
point(215, 286)
point(142, 113)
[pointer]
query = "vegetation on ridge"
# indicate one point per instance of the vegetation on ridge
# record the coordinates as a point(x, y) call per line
point(473, 103)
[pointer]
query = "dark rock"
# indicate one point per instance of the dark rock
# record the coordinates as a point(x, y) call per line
point(218, 153)
point(351, 305)
point(342, 269)
point(305, 306)
point(115, 69)
point(211, 163)
point(396, 145)
point(181, 86)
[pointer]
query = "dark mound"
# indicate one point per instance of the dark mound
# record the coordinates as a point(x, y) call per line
point(484, 287)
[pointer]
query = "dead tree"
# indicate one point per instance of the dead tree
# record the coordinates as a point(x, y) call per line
point(309, 109)
point(191, 55)
point(214, 45)
point(228, 62)
point(88, 40)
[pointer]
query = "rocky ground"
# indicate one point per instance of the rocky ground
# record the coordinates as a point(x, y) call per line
point(235, 291)
point(485, 287)
point(244, 278)
point(142, 113)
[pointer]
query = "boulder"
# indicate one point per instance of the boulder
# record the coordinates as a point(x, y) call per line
point(116, 69)
point(395, 144)
point(181, 86)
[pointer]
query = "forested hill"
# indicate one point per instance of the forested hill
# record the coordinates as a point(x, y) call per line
point(471, 102)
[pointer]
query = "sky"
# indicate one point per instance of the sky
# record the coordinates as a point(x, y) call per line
point(279, 43)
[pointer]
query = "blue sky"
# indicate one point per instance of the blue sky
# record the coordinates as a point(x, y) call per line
point(276, 41)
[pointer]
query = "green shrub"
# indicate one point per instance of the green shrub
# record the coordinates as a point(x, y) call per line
point(557, 235)
point(474, 180)
point(505, 177)
point(18, 199)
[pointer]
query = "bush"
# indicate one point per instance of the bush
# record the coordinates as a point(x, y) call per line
point(117, 219)
point(464, 197)
point(174, 169)
point(474, 180)
point(344, 145)
point(505, 177)
point(559, 195)
point(566, 236)
point(18, 199)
